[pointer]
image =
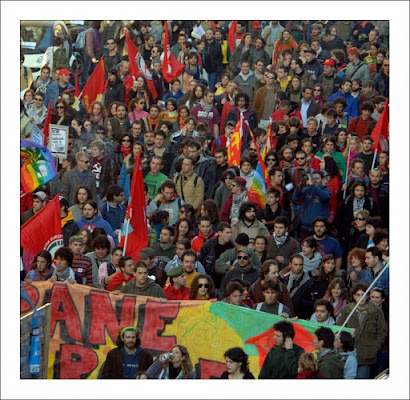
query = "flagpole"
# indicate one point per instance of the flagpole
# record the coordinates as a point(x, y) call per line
point(347, 173)
point(364, 294)
point(374, 158)
point(126, 235)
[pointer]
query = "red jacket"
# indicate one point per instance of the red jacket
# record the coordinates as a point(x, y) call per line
point(117, 280)
point(198, 241)
point(279, 116)
point(358, 125)
point(175, 294)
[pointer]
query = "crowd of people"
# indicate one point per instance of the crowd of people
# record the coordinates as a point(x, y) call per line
point(323, 238)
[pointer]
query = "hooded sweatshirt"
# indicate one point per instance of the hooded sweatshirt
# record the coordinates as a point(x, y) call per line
point(350, 360)
point(330, 364)
point(97, 222)
point(150, 288)
point(311, 264)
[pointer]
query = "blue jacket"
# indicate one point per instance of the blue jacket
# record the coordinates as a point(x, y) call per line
point(113, 215)
point(53, 92)
point(124, 181)
point(350, 360)
point(351, 107)
point(97, 222)
point(315, 203)
point(382, 283)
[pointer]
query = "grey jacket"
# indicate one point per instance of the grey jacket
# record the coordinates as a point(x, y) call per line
point(71, 181)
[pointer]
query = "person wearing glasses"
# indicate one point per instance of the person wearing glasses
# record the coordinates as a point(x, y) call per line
point(202, 288)
point(242, 269)
point(37, 111)
point(80, 175)
point(60, 115)
point(137, 109)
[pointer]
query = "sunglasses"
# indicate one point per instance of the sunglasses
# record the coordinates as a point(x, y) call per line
point(141, 102)
point(254, 150)
point(234, 185)
point(228, 177)
point(60, 107)
point(40, 99)
point(317, 90)
point(360, 219)
point(87, 162)
point(243, 258)
point(270, 159)
point(300, 158)
point(125, 140)
point(205, 285)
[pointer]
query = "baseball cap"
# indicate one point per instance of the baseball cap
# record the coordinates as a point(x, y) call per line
point(311, 51)
point(329, 62)
point(369, 82)
point(242, 239)
point(64, 72)
point(230, 122)
point(75, 238)
point(147, 253)
point(245, 250)
point(39, 195)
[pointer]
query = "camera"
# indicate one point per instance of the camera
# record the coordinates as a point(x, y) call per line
point(168, 357)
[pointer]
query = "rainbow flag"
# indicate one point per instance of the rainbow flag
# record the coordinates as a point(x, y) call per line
point(37, 165)
point(257, 189)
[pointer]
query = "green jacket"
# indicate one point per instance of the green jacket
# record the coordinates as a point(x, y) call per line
point(331, 366)
point(151, 289)
point(369, 336)
point(281, 363)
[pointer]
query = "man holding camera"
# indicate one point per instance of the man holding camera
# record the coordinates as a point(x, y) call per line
point(315, 198)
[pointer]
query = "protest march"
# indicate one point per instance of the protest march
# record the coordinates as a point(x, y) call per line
point(204, 199)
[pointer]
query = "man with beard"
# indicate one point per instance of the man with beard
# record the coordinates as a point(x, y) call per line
point(379, 192)
point(247, 223)
point(128, 358)
point(330, 82)
point(382, 78)
point(264, 101)
point(122, 116)
point(151, 123)
point(367, 155)
point(351, 107)
point(281, 246)
point(379, 104)
point(326, 244)
point(257, 52)
point(273, 209)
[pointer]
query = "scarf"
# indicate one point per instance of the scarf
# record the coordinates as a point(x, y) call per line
point(165, 201)
point(206, 107)
point(318, 100)
point(64, 276)
point(322, 353)
point(125, 151)
point(369, 95)
point(181, 123)
point(357, 205)
point(280, 240)
point(245, 77)
point(236, 202)
point(293, 277)
point(245, 114)
point(153, 123)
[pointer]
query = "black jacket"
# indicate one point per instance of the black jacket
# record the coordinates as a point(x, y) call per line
point(115, 92)
point(207, 255)
point(215, 52)
point(69, 229)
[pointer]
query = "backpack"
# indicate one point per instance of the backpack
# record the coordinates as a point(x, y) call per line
point(79, 44)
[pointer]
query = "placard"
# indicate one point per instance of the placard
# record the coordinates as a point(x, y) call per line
point(57, 142)
point(37, 136)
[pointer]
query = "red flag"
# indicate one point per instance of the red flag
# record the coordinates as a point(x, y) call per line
point(235, 145)
point(231, 36)
point(171, 67)
point(213, 25)
point(138, 67)
point(380, 133)
point(47, 122)
point(43, 231)
point(135, 218)
point(77, 85)
point(94, 88)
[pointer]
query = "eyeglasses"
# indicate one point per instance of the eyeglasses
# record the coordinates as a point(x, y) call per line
point(60, 107)
point(125, 140)
point(254, 150)
point(205, 285)
point(270, 159)
point(243, 258)
point(100, 132)
point(360, 219)
point(300, 158)
point(86, 162)
point(317, 90)
point(228, 177)
point(386, 65)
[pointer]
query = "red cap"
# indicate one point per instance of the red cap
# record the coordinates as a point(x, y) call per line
point(240, 181)
point(329, 62)
point(64, 72)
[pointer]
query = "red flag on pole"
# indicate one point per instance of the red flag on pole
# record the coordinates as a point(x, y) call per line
point(171, 67)
point(77, 85)
point(213, 25)
point(235, 145)
point(138, 66)
point(43, 231)
point(47, 122)
point(380, 133)
point(231, 36)
point(94, 88)
point(135, 229)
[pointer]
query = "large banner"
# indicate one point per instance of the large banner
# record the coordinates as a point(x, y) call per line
point(84, 324)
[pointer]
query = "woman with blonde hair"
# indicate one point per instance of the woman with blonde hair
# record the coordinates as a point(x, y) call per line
point(353, 147)
point(307, 367)
point(176, 364)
